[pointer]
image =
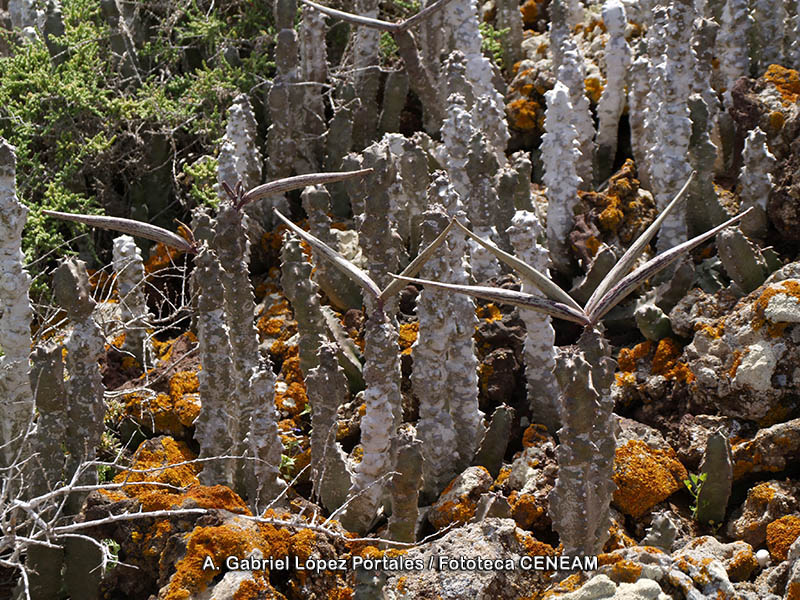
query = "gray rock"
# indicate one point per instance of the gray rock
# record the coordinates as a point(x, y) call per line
point(491, 539)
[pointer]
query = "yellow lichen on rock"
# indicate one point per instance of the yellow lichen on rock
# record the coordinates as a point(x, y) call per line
point(645, 477)
point(407, 335)
point(781, 534)
point(786, 80)
point(526, 510)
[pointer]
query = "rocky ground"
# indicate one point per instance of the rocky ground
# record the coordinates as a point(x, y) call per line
point(726, 367)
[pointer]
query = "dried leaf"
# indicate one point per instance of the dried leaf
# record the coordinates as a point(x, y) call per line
point(134, 228)
point(536, 303)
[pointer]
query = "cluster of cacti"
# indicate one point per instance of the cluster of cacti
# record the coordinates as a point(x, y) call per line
point(364, 307)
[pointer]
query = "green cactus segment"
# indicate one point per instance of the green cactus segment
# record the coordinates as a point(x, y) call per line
point(715, 490)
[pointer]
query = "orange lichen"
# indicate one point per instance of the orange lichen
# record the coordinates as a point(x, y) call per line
point(665, 362)
point(617, 539)
point(167, 413)
point(592, 245)
point(625, 378)
point(644, 477)
point(781, 534)
point(611, 216)
point(712, 331)
point(161, 257)
point(664, 359)
point(776, 120)
point(621, 570)
point(407, 335)
point(488, 312)
point(534, 434)
point(526, 510)
point(530, 12)
point(628, 357)
point(523, 114)
point(269, 327)
point(163, 350)
point(485, 371)
point(223, 541)
point(741, 565)
point(737, 360)
point(502, 477)
point(156, 413)
point(117, 342)
point(183, 382)
point(533, 546)
point(747, 460)
point(293, 399)
point(593, 88)
point(453, 511)
point(786, 80)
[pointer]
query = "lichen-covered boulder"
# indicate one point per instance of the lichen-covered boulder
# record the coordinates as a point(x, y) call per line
point(489, 540)
point(766, 502)
point(459, 501)
point(781, 534)
point(771, 450)
point(744, 363)
point(601, 587)
point(645, 477)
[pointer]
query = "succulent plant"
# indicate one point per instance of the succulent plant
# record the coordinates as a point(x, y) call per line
point(579, 503)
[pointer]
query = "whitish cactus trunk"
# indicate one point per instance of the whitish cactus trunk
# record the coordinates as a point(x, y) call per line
point(16, 397)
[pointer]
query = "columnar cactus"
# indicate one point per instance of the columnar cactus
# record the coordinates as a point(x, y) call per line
point(526, 232)
point(509, 17)
point(121, 37)
point(249, 368)
point(587, 446)
point(285, 97)
point(377, 229)
point(378, 425)
point(314, 67)
point(703, 209)
point(239, 156)
point(216, 424)
point(712, 499)
point(457, 130)
point(756, 182)
point(301, 291)
point(395, 91)
point(367, 76)
point(47, 381)
point(16, 397)
point(669, 166)
point(433, 365)
point(405, 487)
point(612, 100)
point(560, 155)
point(733, 43)
point(462, 17)
point(792, 42)
point(327, 390)
point(238, 417)
point(572, 73)
point(767, 34)
point(129, 270)
point(638, 106)
point(85, 412)
point(481, 204)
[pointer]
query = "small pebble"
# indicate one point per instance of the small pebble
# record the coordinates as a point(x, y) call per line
point(762, 556)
